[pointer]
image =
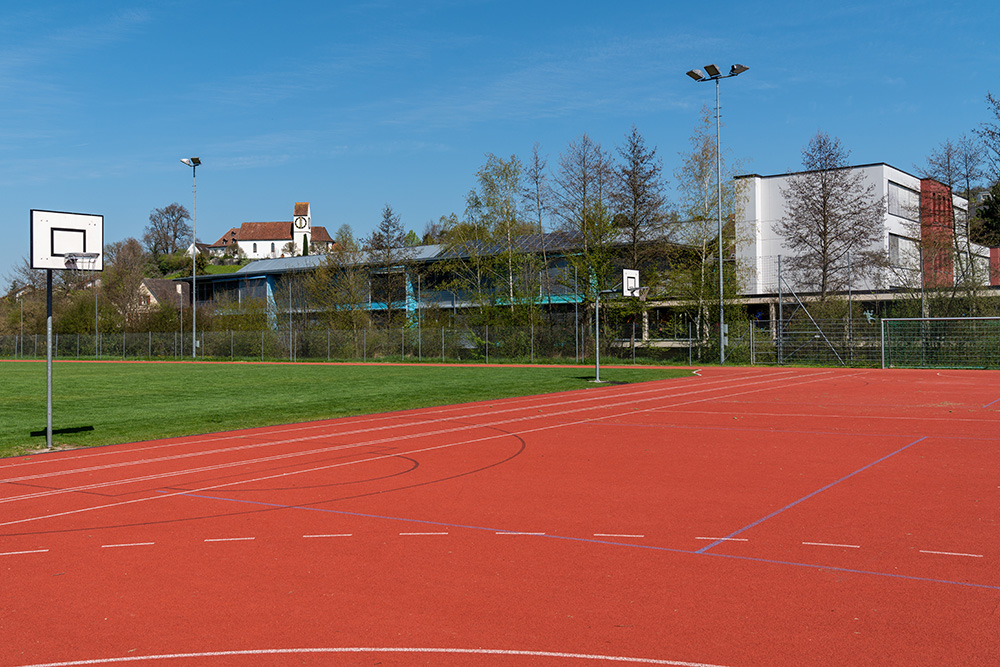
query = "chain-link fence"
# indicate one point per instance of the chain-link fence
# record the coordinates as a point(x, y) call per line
point(948, 342)
point(532, 344)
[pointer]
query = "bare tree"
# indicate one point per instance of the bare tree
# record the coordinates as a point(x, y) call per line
point(168, 230)
point(694, 276)
point(989, 133)
point(537, 195)
point(831, 216)
point(582, 204)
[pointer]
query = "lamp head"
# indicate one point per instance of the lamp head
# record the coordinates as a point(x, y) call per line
point(737, 69)
point(712, 70)
point(191, 161)
point(696, 74)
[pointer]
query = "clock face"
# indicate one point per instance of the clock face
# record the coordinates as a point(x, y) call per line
point(300, 222)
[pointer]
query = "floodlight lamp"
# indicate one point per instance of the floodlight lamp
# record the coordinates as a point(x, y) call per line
point(737, 69)
point(696, 74)
point(712, 70)
point(191, 162)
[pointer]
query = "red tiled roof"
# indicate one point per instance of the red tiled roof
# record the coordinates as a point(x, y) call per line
point(226, 238)
point(320, 235)
point(265, 231)
point(268, 231)
point(302, 208)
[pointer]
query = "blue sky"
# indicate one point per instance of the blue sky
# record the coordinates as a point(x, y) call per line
point(354, 105)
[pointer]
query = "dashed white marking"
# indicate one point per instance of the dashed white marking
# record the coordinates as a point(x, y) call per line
point(132, 544)
point(616, 535)
point(512, 532)
point(332, 535)
point(423, 534)
point(229, 539)
point(723, 539)
point(828, 544)
point(18, 553)
point(951, 553)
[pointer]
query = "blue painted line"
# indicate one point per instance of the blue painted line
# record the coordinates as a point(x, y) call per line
point(630, 545)
point(807, 497)
point(991, 403)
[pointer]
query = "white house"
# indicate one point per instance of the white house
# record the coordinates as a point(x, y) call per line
point(261, 240)
point(915, 209)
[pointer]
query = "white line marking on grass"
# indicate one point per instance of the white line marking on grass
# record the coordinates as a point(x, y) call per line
point(724, 539)
point(229, 539)
point(423, 533)
point(453, 651)
point(616, 535)
point(951, 553)
point(133, 544)
point(828, 544)
point(334, 535)
point(18, 553)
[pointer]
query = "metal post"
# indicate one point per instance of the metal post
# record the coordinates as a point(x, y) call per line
point(718, 156)
point(576, 313)
point(194, 262)
point(781, 315)
point(597, 337)
point(48, 358)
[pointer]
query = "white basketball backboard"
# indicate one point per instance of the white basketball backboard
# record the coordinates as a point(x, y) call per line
point(630, 282)
point(56, 237)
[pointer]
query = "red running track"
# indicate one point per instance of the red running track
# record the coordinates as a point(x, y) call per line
point(742, 517)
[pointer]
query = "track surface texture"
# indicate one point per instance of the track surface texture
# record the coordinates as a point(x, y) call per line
point(740, 517)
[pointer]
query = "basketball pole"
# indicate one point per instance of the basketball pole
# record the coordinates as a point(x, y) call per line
point(48, 358)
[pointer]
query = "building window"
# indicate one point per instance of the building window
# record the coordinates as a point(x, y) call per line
point(272, 248)
point(255, 248)
point(904, 202)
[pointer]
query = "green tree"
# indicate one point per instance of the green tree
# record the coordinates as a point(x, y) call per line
point(386, 252)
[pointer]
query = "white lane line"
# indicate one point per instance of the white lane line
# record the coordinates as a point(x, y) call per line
point(756, 388)
point(133, 544)
point(423, 533)
point(951, 553)
point(656, 395)
point(18, 553)
point(512, 532)
point(616, 535)
point(724, 539)
point(229, 539)
point(829, 544)
point(332, 535)
point(394, 649)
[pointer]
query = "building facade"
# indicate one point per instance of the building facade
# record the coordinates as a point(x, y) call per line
point(924, 237)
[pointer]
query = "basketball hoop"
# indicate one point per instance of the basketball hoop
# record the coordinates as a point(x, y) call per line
point(641, 292)
point(81, 261)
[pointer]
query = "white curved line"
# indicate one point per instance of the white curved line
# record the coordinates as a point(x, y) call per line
point(292, 651)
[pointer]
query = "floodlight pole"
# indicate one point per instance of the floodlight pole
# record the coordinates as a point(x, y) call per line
point(193, 162)
point(715, 75)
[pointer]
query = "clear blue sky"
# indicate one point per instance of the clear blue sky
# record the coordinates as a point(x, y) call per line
point(354, 105)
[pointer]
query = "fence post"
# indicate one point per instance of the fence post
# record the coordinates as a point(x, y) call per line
point(442, 345)
point(487, 343)
point(532, 341)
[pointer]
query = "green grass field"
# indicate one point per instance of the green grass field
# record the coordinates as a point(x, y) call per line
point(108, 402)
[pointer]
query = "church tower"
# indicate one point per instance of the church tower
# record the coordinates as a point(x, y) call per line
point(302, 228)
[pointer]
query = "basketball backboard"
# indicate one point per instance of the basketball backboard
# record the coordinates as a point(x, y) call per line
point(630, 282)
point(56, 238)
